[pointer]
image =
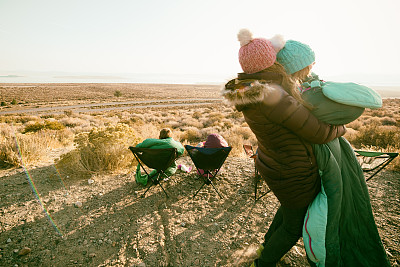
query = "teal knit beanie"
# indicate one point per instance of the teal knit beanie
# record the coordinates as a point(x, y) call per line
point(295, 56)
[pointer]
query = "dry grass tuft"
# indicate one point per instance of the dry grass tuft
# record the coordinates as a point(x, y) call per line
point(17, 148)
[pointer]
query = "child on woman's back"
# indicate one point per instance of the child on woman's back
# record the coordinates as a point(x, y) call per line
point(331, 102)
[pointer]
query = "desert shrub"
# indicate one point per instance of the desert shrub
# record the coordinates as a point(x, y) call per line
point(235, 115)
point(378, 113)
point(34, 127)
point(372, 121)
point(173, 124)
point(388, 121)
point(68, 113)
point(354, 125)
point(64, 136)
point(93, 121)
point(37, 126)
point(147, 131)
point(191, 122)
point(364, 117)
point(351, 133)
point(153, 118)
point(54, 125)
point(52, 117)
point(204, 132)
point(227, 124)
point(3, 104)
point(236, 142)
point(196, 115)
point(8, 148)
point(25, 119)
point(13, 102)
point(101, 150)
point(31, 148)
point(117, 93)
point(137, 119)
point(244, 132)
point(377, 136)
point(213, 119)
point(72, 122)
point(192, 135)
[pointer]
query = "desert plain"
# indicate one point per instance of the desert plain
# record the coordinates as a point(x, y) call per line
point(58, 211)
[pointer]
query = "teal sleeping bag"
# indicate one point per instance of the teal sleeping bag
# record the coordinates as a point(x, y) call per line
point(338, 103)
point(329, 111)
point(339, 228)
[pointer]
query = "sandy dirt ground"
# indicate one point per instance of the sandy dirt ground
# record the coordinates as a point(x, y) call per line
point(51, 220)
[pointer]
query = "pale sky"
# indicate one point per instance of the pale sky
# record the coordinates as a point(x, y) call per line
point(194, 37)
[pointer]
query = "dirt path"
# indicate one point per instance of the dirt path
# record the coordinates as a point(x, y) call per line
point(107, 223)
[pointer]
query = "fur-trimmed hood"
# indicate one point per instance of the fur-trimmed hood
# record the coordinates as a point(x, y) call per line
point(244, 92)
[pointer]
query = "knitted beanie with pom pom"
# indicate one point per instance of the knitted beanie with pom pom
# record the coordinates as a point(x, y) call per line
point(258, 53)
point(295, 56)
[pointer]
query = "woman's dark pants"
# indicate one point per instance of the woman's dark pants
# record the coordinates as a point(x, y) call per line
point(286, 228)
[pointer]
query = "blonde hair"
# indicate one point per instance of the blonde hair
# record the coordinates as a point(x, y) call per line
point(302, 74)
point(165, 133)
point(289, 83)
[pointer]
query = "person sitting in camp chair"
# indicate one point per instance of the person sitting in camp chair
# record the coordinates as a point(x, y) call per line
point(165, 141)
point(213, 141)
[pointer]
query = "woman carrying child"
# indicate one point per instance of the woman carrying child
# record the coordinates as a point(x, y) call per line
point(339, 229)
point(272, 107)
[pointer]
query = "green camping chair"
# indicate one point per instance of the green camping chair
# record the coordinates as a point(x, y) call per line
point(372, 162)
point(157, 159)
point(248, 149)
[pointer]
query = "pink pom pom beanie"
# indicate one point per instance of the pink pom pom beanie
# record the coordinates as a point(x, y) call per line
point(255, 54)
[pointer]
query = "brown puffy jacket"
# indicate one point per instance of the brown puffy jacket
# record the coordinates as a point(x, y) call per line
point(284, 129)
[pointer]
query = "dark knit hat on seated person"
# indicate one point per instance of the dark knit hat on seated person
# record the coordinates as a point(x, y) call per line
point(295, 56)
point(257, 54)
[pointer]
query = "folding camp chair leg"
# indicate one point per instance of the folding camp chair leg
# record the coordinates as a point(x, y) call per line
point(255, 191)
point(263, 195)
point(163, 190)
point(199, 189)
point(216, 190)
point(157, 181)
point(256, 180)
point(142, 196)
point(255, 184)
point(212, 186)
point(383, 166)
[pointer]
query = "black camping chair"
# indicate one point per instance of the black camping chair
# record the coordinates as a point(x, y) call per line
point(372, 162)
point(157, 159)
point(210, 161)
point(248, 149)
